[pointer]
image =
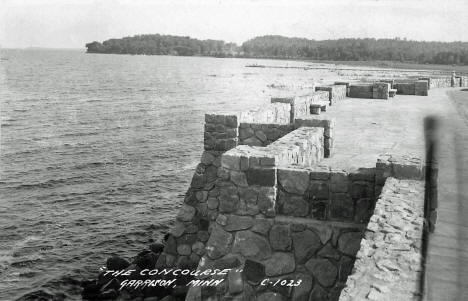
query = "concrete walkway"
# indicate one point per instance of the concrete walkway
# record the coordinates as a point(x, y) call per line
point(366, 128)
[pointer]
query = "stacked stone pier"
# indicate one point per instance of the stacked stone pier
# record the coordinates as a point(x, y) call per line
point(269, 204)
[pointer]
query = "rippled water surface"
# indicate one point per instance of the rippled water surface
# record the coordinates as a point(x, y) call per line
point(98, 150)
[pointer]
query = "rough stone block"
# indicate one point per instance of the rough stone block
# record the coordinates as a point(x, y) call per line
point(228, 203)
point(363, 209)
point(270, 296)
point(231, 121)
point(362, 190)
point(245, 133)
point(236, 223)
point(231, 162)
point(319, 209)
point(279, 264)
point(318, 190)
point(421, 88)
point(338, 181)
point(323, 270)
point(235, 282)
point(280, 237)
point(251, 245)
point(215, 118)
point(380, 90)
point(219, 243)
point(361, 90)
point(341, 207)
point(186, 213)
point(238, 178)
point(306, 244)
point(262, 225)
point(266, 204)
point(301, 292)
point(294, 180)
point(295, 206)
point(254, 271)
point(405, 88)
point(349, 242)
point(261, 176)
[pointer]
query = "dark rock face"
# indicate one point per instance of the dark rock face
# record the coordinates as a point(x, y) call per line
point(146, 260)
point(254, 271)
point(116, 263)
point(156, 247)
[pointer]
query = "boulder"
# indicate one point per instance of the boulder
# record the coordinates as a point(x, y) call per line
point(294, 181)
point(279, 264)
point(116, 263)
point(350, 242)
point(280, 237)
point(305, 244)
point(251, 245)
point(219, 242)
point(323, 270)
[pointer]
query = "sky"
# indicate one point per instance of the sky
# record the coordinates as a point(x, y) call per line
point(73, 23)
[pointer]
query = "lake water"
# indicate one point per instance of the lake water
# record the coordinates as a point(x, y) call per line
point(98, 150)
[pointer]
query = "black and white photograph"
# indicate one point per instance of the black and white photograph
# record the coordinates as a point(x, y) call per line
point(233, 150)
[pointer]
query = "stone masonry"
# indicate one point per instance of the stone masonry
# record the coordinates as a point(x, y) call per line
point(388, 263)
point(264, 203)
point(300, 105)
point(336, 92)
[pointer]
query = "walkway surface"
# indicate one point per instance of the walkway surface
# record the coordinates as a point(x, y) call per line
point(392, 126)
point(395, 126)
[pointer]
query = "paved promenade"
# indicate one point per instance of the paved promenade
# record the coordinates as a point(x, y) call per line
point(366, 128)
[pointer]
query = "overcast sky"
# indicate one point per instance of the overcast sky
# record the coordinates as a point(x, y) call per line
point(72, 23)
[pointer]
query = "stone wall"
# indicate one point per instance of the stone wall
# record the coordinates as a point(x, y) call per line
point(302, 147)
point(421, 87)
point(464, 81)
point(380, 90)
point(326, 194)
point(263, 243)
point(397, 166)
point(260, 202)
point(271, 113)
point(439, 82)
point(207, 196)
point(336, 92)
point(328, 125)
point(316, 257)
point(388, 262)
point(345, 84)
point(405, 88)
point(455, 81)
point(255, 134)
point(300, 105)
point(221, 132)
point(361, 90)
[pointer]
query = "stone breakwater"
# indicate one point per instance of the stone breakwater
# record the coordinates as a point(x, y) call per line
point(264, 204)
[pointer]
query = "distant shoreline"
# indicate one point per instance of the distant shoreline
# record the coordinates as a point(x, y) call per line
point(370, 63)
point(281, 47)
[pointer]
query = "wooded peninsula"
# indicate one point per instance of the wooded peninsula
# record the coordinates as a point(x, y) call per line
point(279, 47)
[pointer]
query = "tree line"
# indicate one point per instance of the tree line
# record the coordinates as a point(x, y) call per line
point(274, 46)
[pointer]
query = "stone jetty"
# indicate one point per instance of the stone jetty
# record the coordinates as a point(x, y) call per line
point(293, 203)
